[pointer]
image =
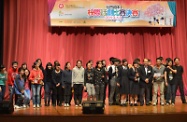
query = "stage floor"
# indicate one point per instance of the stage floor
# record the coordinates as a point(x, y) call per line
point(177, 113)
point(109, 110)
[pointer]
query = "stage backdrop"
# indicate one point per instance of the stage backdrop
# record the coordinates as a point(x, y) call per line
point(113, 13)
point(27, 36)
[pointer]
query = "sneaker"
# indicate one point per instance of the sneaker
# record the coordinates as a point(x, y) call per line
point(34, 106)
point(135, 104)
point(76, 105)
point(172, 104)
point(131, 104)
point(162, 104)
point(16, 107)
point(67, 105)
point(167, 103)
point(24, 106)
point(38, 106)
point(154, 104)
point(125, 104)
point(148, 104)
point(80, 105)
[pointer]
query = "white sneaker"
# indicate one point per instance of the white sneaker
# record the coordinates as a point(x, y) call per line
point(24, 106)
point(34, 106)
point(67, 105)
point(37, 105)
point(76, 105)
point(80, 105)
point(162, 104)
point(16, 107)
point(154, 104)
point(173, 104)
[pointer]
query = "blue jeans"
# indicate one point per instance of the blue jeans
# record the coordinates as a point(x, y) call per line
point(27, 95)
point(36, 96)
point(11, 91)
point(2, 93)
point(171, 93)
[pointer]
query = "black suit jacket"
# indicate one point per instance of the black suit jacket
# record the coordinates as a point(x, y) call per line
point(143, 75)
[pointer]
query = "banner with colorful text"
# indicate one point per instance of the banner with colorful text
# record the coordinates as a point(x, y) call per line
point(113, 13)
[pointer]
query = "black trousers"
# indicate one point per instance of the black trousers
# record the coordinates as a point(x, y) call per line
point(67, 93)
point(180, 85)
point(171, 93)
point(19, 100)
point(78, 88)
point(151, 92)
point(57, 95)
point(48, 87)
point(106, 84)
point(144, 90)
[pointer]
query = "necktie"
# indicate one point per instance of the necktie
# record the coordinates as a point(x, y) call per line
point(116, 71)
point(146, 70)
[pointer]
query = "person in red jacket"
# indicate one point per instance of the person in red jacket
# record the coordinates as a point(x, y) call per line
point(36, 77)
point(12, 73)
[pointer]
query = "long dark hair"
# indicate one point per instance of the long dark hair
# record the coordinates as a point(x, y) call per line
point(169, 61)
point(90, 61)
point(57, 64)
point(103, 63)
point(26, 77)
point(41, 62)
point(97, 63)
point(48, 64)
point(34, 64)
point(24, 64)
point(65, 66)
point(87, 64)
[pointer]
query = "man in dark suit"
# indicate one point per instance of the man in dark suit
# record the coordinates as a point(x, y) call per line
point(146, 76)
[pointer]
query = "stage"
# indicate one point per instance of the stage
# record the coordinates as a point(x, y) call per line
point(111, 114)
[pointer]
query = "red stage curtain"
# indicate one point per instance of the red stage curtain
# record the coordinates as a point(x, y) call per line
point(27, 37)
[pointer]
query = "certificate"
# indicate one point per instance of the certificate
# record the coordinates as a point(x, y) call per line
point(157, 74)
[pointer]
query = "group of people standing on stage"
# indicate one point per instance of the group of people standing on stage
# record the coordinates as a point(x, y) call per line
point(128, 84)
